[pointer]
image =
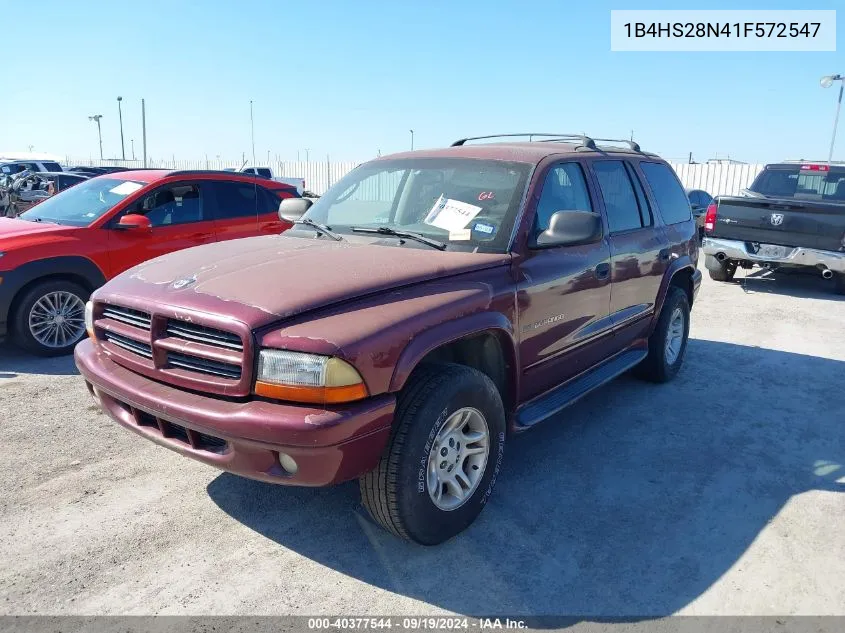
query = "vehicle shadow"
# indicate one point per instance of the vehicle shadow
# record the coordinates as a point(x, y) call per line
point(15, 362)
point(794, 284)
point(631, 503)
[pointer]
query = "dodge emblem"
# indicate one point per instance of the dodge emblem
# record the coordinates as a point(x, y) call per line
point(776, 219)
point(181, 283)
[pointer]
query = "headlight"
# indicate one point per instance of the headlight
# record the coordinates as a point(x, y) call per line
point(89, 318)
point(300, 377)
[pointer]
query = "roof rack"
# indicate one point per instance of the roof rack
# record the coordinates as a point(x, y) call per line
point(583, 139)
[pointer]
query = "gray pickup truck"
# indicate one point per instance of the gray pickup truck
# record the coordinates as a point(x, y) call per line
point(792, 216)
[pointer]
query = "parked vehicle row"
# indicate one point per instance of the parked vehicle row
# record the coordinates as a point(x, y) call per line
point(792, 216)
point(425, 308)
point(56, 253)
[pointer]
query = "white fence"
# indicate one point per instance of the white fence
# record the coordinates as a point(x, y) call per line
point(716, 179)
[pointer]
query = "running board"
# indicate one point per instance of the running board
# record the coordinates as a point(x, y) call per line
point(557, 399)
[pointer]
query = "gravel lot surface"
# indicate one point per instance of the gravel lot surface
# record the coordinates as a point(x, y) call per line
point(720, 493)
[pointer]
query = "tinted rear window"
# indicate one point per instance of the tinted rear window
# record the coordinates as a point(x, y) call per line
point(52, 166)
point(802, 183)
point(672, 201)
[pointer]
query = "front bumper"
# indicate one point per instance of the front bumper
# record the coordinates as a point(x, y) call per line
point(243, 437)
point(736, 250)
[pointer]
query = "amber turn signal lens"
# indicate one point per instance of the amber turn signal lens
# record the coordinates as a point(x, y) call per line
point(312, 395)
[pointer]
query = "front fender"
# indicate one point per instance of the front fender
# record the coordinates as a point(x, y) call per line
point(449, 331)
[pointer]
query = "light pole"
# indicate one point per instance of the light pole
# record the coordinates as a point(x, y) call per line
point(307, 155)
point(827, 82)
point(96, 118)
point(132, 141)
point(412, 140)
point(120, 115)
point(252, 132)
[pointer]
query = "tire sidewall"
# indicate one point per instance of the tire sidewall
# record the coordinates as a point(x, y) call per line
point(424, 521)
point(676, 299)
point(22, 335)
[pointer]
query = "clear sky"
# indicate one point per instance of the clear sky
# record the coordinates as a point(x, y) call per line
point(351, 78)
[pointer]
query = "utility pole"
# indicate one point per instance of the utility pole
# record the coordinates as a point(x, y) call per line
point(412, 140)
point(252, 132)
point(120, 115)
point(144, 130)
point(132, 141)
point(96, 118)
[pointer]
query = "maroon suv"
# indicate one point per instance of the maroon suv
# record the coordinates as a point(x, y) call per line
point(427, 306)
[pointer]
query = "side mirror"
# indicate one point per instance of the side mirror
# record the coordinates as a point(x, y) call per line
point(135, 222)
point(291, 209)
point(570, 228)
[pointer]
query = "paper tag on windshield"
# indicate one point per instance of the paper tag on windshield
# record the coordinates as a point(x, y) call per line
point(451, 215)
point(460, 235)
point(125, 188)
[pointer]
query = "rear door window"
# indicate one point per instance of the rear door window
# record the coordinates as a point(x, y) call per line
point(242, 199)
point(672, 201)
point(617, 191)
point(52, 167)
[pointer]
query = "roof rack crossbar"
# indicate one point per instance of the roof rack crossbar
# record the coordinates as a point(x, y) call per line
point(629, 142)
point(584, 139)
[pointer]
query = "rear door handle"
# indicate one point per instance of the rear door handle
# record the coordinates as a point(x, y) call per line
point(603, 271)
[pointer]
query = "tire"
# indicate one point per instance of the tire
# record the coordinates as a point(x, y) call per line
point(724, 272)
point(49, 292)
point(659, 366)
point(398, 493)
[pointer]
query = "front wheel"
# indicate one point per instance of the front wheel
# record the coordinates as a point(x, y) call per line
point(443, 456)
point(50, 318)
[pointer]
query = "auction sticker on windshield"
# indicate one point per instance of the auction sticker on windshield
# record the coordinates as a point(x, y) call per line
point(451, 215)
point(126, 188)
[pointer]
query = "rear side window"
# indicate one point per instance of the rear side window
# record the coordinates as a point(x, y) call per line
point(52, 166)
point(620, 201)
point(672, 202)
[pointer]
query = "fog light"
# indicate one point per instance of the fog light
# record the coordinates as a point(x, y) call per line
point(288, 464)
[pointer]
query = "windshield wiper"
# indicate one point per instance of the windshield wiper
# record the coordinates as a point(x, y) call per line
point(320, 228)
point(386, 230)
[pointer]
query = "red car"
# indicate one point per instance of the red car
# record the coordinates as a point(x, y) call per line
point(53, 256)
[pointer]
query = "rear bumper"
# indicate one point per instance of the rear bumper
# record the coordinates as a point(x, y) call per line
point(736, 250)
point(243, 437)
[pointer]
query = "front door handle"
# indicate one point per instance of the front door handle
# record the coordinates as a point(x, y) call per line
point(665, 254)
point(603, 271)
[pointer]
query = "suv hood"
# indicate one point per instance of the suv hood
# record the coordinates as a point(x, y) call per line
point(262, 280)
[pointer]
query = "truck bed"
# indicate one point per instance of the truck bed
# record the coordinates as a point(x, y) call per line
point(786, 222)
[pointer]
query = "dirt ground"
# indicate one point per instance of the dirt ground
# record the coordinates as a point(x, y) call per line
point(720, 493)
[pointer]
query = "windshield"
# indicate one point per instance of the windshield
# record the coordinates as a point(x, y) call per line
point(802, 182)
point(84, 203)
point(467, 204)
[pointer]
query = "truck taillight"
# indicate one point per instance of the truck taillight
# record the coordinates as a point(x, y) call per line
point(710, 218)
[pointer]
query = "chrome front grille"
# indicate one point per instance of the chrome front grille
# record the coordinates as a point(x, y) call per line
point(204, 334)
point(135, 318)
point(192, 354)
point(204, 365)
point(124, 342)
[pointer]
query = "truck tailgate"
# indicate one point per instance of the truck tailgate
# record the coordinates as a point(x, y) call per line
point(808, 224)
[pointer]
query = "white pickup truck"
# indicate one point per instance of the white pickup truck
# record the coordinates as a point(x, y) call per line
point(266, 172)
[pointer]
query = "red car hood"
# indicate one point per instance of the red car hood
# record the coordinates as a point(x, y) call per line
point(262, 280)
